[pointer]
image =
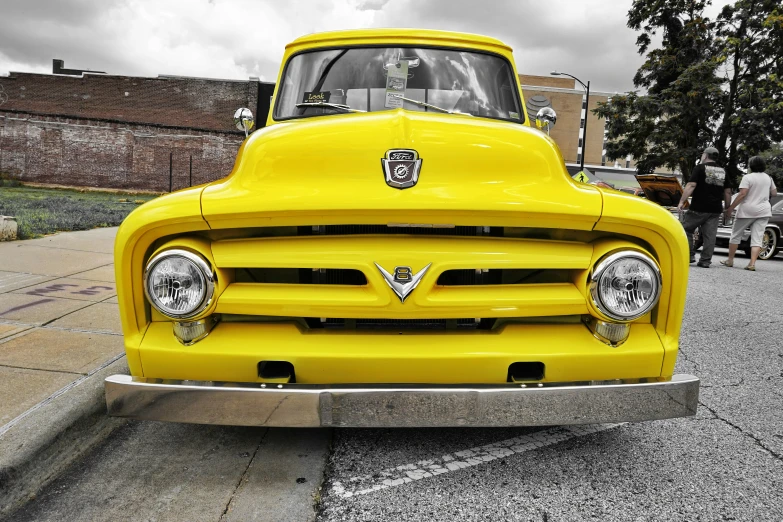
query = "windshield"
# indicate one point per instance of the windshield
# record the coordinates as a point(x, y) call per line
point(379, 78)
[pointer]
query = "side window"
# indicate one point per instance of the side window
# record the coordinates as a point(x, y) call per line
point(507, 90)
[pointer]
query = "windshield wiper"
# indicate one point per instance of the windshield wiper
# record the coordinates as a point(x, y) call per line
point(336, 106)
point(424, 104)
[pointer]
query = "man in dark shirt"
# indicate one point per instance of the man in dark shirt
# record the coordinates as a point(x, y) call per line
point(711, 189)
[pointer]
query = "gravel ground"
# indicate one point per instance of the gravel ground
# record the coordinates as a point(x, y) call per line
point(726, 463)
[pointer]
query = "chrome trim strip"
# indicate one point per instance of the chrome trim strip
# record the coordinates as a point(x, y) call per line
point(390, 405)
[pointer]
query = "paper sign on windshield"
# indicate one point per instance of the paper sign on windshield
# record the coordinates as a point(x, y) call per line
point(316, 97)
point(396, 81)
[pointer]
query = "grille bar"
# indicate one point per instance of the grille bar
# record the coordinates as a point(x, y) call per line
point(416, 230)
point(400, 324)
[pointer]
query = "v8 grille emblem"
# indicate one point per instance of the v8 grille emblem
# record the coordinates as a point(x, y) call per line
point(403, 281)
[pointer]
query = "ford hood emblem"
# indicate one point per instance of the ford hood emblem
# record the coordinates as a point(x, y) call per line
point(401, 168)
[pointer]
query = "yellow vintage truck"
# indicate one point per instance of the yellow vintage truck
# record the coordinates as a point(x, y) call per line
point(399, 245)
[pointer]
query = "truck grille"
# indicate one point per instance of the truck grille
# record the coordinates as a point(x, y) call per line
point(336, 277)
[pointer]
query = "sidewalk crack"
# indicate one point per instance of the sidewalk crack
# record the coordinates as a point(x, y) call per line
point(242, 478)
point(42, 369)
point(748, 434)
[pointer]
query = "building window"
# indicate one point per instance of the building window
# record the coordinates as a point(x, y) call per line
point(579, 158)
point(580, 142)
point(582, 124)
point(584, 104)
point(627, 164)
point(603, 160)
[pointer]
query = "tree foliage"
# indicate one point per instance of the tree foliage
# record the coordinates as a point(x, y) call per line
point(750, 42)
point(708, 82)
point(774, 159)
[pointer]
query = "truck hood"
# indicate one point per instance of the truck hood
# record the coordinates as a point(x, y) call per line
point(330, 167)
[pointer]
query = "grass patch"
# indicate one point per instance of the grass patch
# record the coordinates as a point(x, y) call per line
point(41, 211)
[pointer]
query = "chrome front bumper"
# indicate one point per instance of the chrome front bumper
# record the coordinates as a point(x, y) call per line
point(383, 405)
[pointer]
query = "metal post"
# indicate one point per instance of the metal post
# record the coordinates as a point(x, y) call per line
point(584, 132)
point(171, 171)
point(190, 172)
point(587, 107)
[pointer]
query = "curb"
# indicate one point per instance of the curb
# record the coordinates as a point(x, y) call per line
point(48, 438)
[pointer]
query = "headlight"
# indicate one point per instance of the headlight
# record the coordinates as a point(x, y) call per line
point(625, 285)
point(178, 283)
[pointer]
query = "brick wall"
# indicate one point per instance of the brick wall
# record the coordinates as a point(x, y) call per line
point(169, 101)
point(120, 132)
point(547, 81)
point(79, 152)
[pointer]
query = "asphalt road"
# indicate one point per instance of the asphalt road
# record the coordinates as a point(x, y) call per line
point(726, 463)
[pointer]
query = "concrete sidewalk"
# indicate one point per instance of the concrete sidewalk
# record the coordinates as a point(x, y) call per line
point(59, 333)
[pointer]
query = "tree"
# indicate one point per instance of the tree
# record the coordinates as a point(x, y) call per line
point(749, 41)
point(774, 159)
point(708, 83)
point(673, 121)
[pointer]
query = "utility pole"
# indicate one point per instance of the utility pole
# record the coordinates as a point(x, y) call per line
point(587, 106)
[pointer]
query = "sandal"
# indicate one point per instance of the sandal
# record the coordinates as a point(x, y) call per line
point(752, 268)
point(726, 263)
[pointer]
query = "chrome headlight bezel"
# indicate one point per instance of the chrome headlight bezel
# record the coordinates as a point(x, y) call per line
point(600, 270)
point(203, 267)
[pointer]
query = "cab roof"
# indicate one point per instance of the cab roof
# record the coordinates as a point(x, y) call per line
point(408, 36)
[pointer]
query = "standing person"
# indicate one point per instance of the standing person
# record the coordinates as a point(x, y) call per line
point(709, 186)
point(753, 210)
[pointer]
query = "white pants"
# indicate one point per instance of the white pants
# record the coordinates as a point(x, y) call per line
point(757, 226)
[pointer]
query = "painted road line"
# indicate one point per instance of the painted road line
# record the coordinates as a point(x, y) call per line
point(397, 476)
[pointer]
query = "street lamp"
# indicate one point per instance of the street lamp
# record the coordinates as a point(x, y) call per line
point(587, 104)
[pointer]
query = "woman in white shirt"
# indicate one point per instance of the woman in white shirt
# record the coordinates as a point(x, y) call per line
point(753, 210)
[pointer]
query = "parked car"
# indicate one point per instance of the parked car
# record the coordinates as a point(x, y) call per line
point(635, 191)
point(771, 242)
point(398, 246)
point(602, 184)
point(664, 190)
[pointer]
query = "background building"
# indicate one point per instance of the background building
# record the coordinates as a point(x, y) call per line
point(82, 128)
point(123, 132)
point(567, 98)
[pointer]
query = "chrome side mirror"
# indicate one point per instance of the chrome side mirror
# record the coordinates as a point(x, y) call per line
point(243, 119)
point(546, 118)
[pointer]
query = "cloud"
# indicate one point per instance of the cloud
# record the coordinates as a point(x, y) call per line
point(371, 5)
point(242, 38)
point(588, 39)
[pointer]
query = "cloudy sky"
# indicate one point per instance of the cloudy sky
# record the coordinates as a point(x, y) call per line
point(242, 38)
